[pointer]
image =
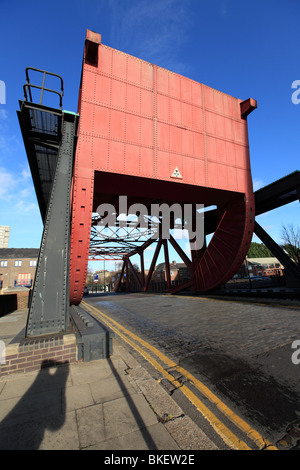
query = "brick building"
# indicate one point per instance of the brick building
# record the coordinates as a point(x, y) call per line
point(178, 272)
point(17, 267)
point(261, 267)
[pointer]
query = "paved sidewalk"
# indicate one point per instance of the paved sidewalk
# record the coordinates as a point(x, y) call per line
point(108, 404)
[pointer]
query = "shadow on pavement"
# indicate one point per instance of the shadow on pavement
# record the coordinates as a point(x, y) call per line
point(135, 412)
point(39, 409)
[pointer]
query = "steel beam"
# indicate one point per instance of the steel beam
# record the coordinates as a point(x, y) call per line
point(156, 253)
point(180, 252)
point(278, 193)
point(137, 279)
point(167, 264)
point(49, 309)
point(142, 268)
point(291, 270)
point(118, 284)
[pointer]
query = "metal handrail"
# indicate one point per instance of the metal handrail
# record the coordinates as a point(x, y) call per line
point(27, 86)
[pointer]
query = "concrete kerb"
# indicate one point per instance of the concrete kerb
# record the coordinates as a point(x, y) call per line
point(182, 428)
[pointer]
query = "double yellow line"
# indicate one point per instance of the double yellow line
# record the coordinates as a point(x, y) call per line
point(226, 434)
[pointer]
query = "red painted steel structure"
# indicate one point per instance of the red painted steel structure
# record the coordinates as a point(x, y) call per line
point(138, 123)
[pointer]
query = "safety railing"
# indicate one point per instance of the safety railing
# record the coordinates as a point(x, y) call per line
point(28, 86)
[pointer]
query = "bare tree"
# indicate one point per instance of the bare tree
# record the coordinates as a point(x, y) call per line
point(290, 236)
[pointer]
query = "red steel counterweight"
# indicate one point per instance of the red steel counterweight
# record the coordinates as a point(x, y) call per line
point(151, 134)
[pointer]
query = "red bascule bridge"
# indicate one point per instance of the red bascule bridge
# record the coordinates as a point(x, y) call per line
point(153, 136)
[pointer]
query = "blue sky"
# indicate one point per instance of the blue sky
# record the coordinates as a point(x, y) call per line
point(243, 48)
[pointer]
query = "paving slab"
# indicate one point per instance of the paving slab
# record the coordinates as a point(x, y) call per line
point(157, 438)
point(106, 404)
point(111, 389)
point(54, 432)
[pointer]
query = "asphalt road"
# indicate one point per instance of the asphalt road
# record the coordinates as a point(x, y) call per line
point(241, 350)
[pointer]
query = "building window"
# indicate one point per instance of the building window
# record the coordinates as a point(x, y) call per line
point(32, 263)
point(23, 280)
point(3, 264)
point(18, 264)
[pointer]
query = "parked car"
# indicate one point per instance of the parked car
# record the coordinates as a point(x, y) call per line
point(85, 291)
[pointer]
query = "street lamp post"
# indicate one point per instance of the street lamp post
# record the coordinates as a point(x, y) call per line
point(248, 272)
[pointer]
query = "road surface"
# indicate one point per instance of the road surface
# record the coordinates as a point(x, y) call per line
point(241, 351)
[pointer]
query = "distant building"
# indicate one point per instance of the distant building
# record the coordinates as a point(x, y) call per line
point(17, 266)
point(261, 267)
point(4, 236)
point(178, 272)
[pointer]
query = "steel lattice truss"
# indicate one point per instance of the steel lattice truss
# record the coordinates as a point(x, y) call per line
point(123, 239)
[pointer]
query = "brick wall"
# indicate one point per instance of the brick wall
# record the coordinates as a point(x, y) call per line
point(22, 299)
point(38, 353)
